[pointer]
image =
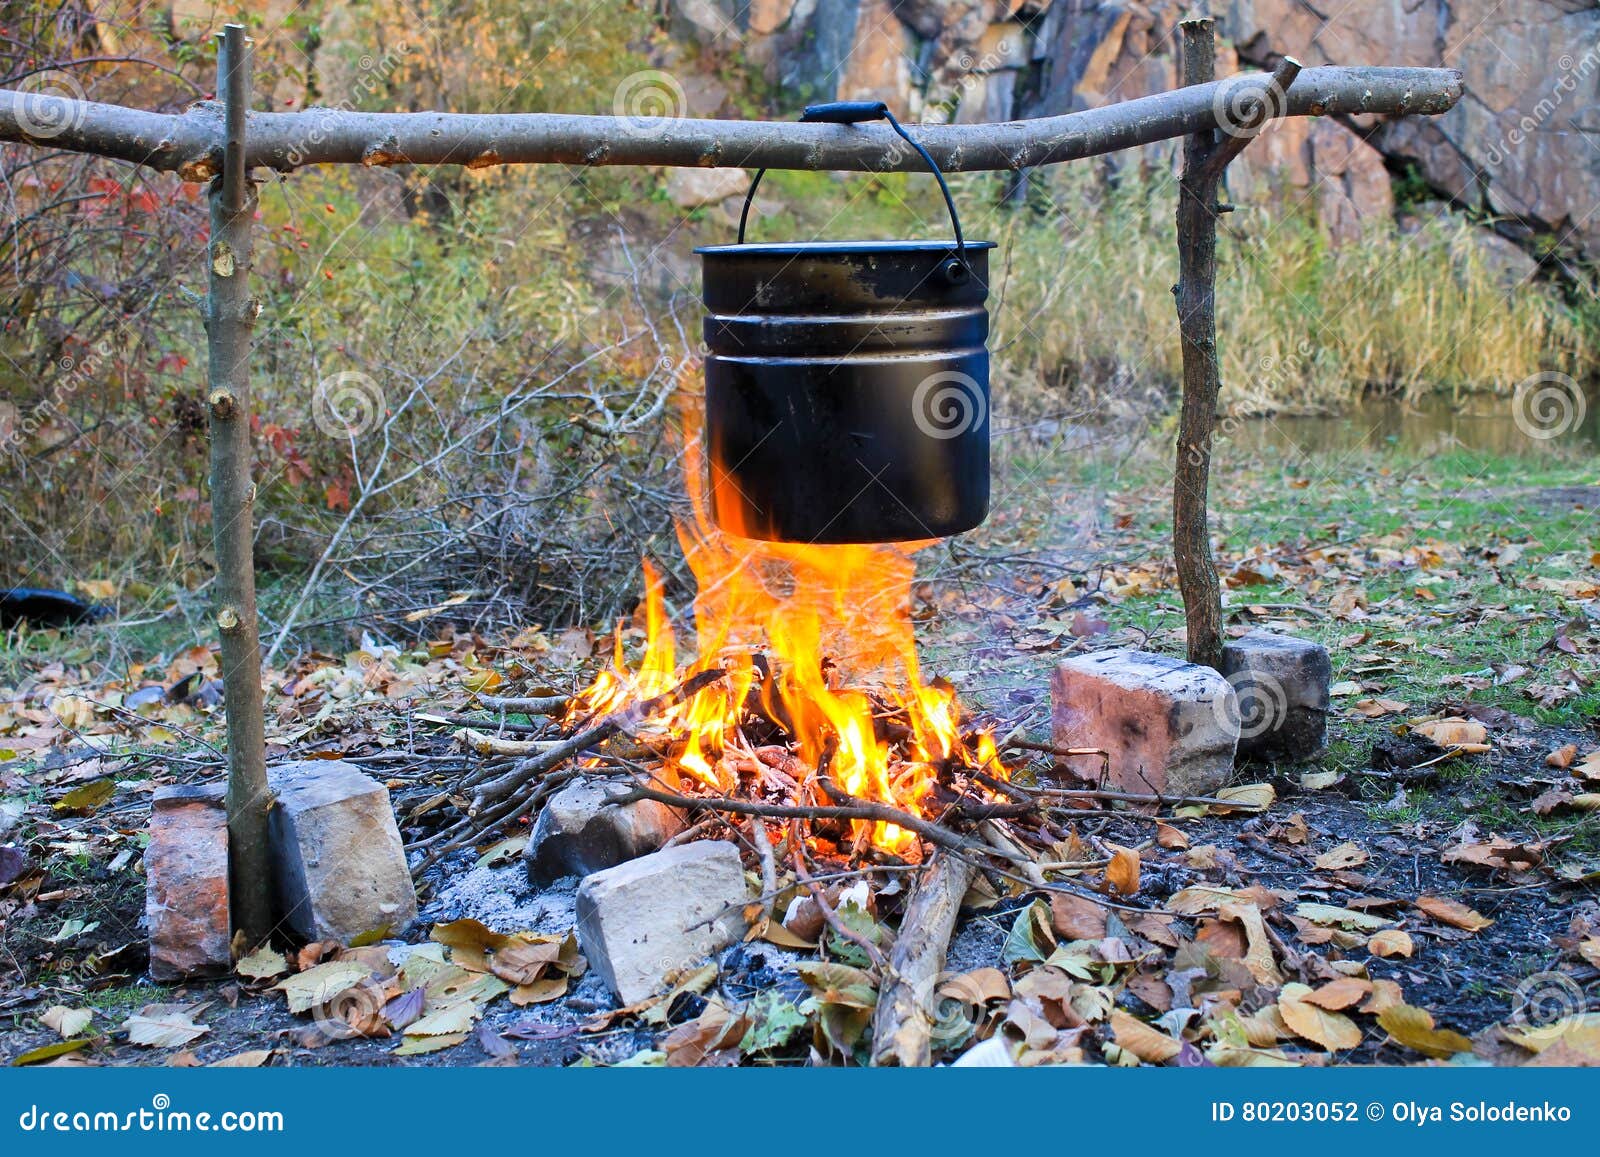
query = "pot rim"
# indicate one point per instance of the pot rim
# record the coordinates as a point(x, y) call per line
point(828, 248)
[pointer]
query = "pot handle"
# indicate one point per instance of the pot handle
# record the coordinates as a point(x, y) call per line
point(853, 112)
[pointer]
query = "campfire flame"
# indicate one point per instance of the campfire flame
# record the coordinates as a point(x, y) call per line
point(818, 645)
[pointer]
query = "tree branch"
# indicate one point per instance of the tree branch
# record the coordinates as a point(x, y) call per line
point(190, 143)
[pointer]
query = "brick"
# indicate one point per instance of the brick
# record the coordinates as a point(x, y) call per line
point(578, 833)
point(669, 910)
point(1168, 726)
point(338, 862)
point(186, 883)
point(1282, 687)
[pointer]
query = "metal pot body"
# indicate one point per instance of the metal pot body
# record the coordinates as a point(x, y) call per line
point(847, 389)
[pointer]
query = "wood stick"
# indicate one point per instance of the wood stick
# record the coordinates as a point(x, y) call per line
point(230, 320)
point(190, 143)
point(538, 705)
point(622, 720)
point(902, 1024)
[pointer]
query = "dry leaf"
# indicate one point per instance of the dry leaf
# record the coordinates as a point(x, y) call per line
point(253, 1059)
point(1562, 757)
point(1385, 994)
point(1392, 942)
point(305, 990)
point(1454, 732)
point(1331, 1030)
point(1123, 871)
point(1076, 918)
point(262, 964)
point(1413, 1028)
point(1346, 855)
point(165, 1026)
point(1148, 1044)
point(1248, 796)
point(67, 1022)
point(1339, 994)
point(1452, 912)
point(1170, 837)
point(1258, 956)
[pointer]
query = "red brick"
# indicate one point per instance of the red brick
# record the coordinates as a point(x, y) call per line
point(186, 883)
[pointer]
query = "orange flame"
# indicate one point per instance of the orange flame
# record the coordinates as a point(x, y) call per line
point(834, 625)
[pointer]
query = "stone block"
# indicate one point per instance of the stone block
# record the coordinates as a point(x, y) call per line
point(337, 858)
point(1167, 725)
point(578, 833)
point(1281, 684)
point(640, 921)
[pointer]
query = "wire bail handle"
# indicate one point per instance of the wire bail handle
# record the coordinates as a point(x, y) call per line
point(853, 112)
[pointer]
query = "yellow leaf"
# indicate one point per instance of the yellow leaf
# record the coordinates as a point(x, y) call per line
point(1413, 1027)
point(415, 1045)
point(263, 963)
point(1331, 1030)
point(49, 1052)
point(1385, 994)
point(253, 1059)
point(1247, 797)
point(1148, 1044)
point(87, 797)
point(1170, 837)
point(445, 1021)
point(1392, 942)
point(546, 989)
point(1258, 956)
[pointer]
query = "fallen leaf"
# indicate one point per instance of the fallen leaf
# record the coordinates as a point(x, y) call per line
point(1562, 757)
point(1453, 913)
point(1453, 732)
point(253, 1059)
point(1331, 1030)
point(67, 1022)
point(1339, 994)
point(1392, 942)
point(1123, 871)
point(164, 1026)
point(417, 1045)
point(1170, 837)
point(262, 964)
point(1330, 914)
point(1148, 1044)
point(1346, 855)
point(49, 1052)
point(318, 985)
point(1248, 796)
point(1258, 956)
point(1413, 1027)
point(1377, 708)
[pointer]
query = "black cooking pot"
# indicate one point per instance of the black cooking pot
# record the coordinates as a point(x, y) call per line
point(847, 382)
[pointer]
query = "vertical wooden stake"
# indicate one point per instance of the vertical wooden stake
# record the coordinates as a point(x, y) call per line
point(230, 319)
point(1197, 331)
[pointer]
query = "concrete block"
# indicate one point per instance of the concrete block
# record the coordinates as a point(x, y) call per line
point(669, 910)
point(338, 861)
point(1169, 726)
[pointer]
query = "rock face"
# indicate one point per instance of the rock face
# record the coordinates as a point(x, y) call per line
point(641, 920)
point(1167, 726)
point(1281, 685)
point(186, 883)
point(338, 862)
point(578, 833)
point(1514, 146)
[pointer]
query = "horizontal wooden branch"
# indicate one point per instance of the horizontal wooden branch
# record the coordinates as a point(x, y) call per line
point(190, 143)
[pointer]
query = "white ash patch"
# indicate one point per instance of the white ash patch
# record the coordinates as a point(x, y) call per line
point(503, 900)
